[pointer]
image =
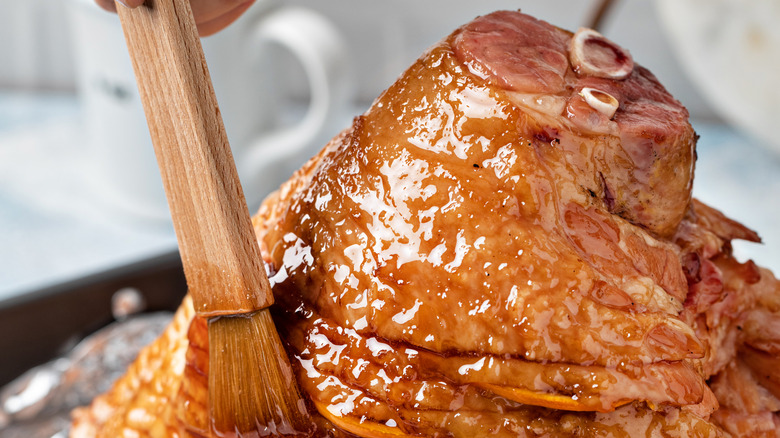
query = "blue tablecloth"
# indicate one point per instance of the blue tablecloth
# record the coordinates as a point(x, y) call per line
point(53, 227)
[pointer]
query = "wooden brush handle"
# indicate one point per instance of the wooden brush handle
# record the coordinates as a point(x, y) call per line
point(218, 246)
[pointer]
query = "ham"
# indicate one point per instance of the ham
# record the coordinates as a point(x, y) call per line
point(504, 244)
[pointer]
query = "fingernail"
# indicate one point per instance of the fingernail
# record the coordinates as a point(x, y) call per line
point(131, 3)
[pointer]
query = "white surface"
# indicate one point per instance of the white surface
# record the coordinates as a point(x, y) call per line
point(56, 223)
point(54, 229)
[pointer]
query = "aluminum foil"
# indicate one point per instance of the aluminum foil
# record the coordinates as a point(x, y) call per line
point(38, 403)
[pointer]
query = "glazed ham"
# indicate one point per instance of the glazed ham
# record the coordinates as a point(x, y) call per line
point(504, 244)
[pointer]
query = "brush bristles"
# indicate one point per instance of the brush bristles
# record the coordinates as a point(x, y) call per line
point(252, 389)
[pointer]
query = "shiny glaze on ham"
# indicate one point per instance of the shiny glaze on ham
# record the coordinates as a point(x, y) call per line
point(482, 253)
point(465, 209)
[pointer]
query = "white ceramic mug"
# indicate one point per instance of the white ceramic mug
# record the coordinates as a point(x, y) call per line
point(250, 85)
point(731, 51)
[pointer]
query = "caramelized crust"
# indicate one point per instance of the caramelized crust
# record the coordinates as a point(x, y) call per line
point(143, 401)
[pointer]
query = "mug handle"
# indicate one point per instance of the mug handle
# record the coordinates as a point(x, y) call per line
point(322, 52)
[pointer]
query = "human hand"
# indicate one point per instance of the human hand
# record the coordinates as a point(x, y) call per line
point(211, 16)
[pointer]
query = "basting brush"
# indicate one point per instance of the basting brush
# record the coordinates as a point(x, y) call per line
point(252, 389)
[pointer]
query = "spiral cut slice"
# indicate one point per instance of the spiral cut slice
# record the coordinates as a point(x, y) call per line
point(547, 400)
point(358, 413)
point(404, 375)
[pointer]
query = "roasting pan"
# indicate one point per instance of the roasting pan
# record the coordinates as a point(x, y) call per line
point(40, 325)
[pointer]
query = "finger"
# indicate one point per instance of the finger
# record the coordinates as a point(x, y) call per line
point(131, 3)
point(210, 10)
point(110, 6)
point(215, 25)
point(107, 5)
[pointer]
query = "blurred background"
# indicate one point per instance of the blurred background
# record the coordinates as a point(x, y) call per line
point(81, 209)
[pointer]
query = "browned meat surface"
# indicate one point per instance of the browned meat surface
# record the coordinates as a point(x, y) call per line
point(641, 158)
point(489, 251)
